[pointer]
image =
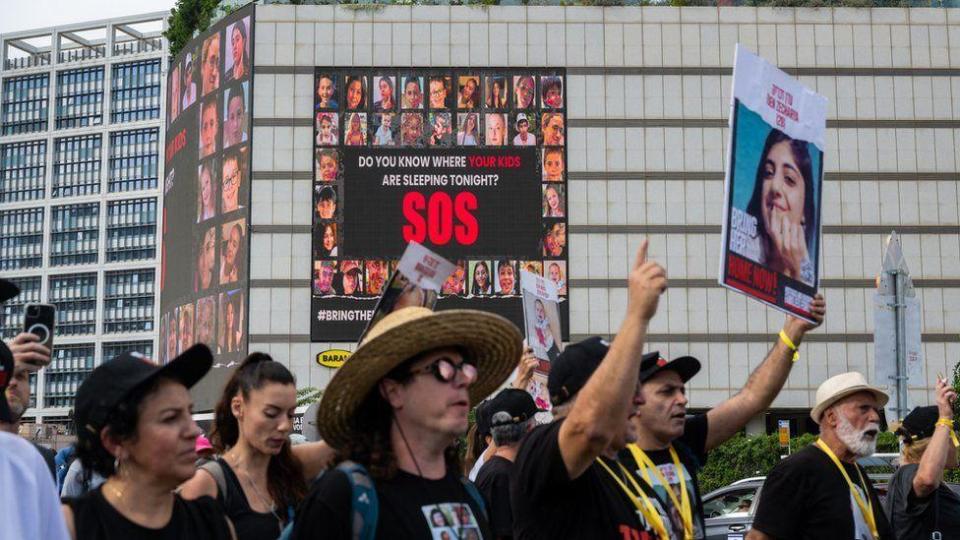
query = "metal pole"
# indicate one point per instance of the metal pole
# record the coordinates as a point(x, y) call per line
point(900, 307)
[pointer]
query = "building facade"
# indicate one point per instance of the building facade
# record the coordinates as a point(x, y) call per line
point(648, 93)
point(80, 130)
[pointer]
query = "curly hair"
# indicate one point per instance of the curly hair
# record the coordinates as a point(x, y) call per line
point(285, 481)
point(121, 425)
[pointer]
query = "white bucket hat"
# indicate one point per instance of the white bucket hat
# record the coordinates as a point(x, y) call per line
point(840, 386)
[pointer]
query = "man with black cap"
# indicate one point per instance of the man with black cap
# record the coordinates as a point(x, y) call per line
point(672, 447)
point(31, 508)
point(919, 503)
point(511, 417)
point(568, 482)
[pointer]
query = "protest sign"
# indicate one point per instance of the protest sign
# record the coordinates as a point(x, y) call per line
point(541, 317)
point(773, 187)
point(416, 282)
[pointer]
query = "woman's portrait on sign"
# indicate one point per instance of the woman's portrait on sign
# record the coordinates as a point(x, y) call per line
point(385, 95)
point(469, 127)
point(496, 89)
point(355, 89)
point(481, 283)
point(469, 94)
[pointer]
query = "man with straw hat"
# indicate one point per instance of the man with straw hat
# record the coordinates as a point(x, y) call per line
point(820, 492)
point(397, 408)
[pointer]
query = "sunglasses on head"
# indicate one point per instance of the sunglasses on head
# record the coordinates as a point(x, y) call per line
point(445, 371)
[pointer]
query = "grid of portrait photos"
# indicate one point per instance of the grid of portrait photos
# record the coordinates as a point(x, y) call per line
point(209, 93)
point(430, 108)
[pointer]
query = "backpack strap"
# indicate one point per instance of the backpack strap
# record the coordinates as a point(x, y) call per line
point(475, 495)
point(215, 469)
point(364, 502)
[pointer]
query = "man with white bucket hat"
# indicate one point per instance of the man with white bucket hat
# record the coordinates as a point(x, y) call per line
point(820, 492)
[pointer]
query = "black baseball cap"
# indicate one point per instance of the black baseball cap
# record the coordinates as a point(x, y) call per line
point(653, 363)
point(518, 404)
point(482, 415)
point(6, 373)
point(7, 290)
point(111, 382)
point(920, 423)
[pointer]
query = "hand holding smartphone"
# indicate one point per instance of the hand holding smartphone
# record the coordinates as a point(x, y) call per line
point(38, 320)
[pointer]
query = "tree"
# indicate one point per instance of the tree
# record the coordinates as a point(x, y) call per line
point(308, 395)
point(187, 17)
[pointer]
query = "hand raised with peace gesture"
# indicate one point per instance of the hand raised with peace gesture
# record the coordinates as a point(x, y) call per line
point(646, 282)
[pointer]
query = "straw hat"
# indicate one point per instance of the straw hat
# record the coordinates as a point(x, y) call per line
point(840, 386)
point(491, 341)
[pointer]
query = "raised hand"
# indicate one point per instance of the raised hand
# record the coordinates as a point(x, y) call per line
point(646, 283)
point(797, 327)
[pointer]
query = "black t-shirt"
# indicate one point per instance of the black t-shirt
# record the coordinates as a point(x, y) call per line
point(691, 449)
point(806, 497)
point(49, 456)
point(548, 504)
point(493, 480)
point(915, 518)
point(250, 525)
point(409, 507)
point(96, 519)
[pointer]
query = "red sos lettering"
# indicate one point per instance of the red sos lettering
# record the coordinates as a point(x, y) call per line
point(446, 218)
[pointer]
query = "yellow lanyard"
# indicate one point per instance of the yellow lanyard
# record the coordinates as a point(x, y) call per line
point(650, 514)
point(683, 505)
point(865, 508)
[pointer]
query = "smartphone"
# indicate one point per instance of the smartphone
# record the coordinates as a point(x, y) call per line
point(38, 320)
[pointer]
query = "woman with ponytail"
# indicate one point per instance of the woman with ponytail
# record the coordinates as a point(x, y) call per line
point(259, 478)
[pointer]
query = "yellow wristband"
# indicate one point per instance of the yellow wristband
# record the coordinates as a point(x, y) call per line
point(789, 343)
point(948, 423)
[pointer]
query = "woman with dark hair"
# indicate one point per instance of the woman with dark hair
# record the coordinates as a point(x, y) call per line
point(497, 93)
point(481, 279)
point(259, 478)
point(785, 209)
point(329, 243)
point(134, 427)
point(238, 47)
point(356, 93)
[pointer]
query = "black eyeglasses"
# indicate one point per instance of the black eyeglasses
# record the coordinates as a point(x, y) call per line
point(445, 371)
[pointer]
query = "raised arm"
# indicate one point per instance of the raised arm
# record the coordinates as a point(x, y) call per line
point(930, 472)
point(764, 383)
point(314, 457)
point(602, 406)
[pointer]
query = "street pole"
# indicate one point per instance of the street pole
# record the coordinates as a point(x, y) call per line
point(901, 326)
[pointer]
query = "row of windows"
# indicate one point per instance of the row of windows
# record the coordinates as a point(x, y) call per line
point(76, 169)
point(75, 297)
point(25, 103)
point(131, 233)
point(135, 96)
point(76, 234)
point(72, 363)
point(80, 97)
point(23, 167)
point(135, 91)
point(21, 238)
point(134, 164)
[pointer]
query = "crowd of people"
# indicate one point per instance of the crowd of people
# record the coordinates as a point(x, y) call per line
point(619, 459)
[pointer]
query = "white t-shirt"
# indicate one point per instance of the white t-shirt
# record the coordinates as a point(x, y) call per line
point(31, 508)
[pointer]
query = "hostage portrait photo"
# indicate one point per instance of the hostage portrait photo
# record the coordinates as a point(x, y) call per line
point(542, 326)
point(775, 198)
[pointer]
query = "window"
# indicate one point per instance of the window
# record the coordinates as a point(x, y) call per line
point(134, 156)
point(70, 366)
point(131, 230)
point(76, 166)
point(23, 167)
point(25, 103)
point(75, 297)
point(734, 502)
point(128, 301)
point(11, 313)
point(135, 91)
point(75, 234)
point(79, 97)
point(116, 348)
point(21, 238)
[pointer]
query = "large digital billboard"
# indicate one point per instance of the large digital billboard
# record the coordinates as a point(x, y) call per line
point(205, 249)
point(471, 163)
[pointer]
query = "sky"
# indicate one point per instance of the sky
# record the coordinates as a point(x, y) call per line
point(24, 15)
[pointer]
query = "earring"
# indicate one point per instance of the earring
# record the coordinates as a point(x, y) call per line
point(116, 465)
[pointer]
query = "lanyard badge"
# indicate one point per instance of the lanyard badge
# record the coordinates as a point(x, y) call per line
point(682, 505)
point(866, 508)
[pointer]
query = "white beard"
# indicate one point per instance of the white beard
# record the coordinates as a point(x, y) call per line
point(854, 439)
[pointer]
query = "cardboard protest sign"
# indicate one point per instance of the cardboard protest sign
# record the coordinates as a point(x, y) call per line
point(773, 188)
point(415, 282)
point(541, 317)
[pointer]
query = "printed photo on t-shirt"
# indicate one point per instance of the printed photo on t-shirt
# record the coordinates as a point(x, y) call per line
point(669, 472)
point(451, 521)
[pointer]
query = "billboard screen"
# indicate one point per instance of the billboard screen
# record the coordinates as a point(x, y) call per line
point(471, 163)
point(204, 279)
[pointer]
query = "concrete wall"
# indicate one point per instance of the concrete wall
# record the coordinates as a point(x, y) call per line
point(648, 99)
